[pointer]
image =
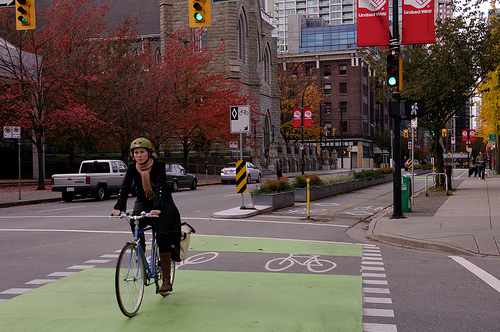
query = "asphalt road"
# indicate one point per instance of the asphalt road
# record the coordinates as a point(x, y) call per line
point(60, 257)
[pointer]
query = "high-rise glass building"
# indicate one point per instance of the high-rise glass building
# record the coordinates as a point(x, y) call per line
point(332, 12)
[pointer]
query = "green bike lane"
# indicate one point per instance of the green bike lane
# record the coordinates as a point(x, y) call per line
point(232, 292)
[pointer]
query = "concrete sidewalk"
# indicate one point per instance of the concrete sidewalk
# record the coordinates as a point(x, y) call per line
point(468, 222)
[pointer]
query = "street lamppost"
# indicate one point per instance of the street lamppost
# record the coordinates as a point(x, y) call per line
point(341, 139)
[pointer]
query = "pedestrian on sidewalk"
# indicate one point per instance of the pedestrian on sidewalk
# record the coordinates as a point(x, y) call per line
point(278, 169)
point(481, 160)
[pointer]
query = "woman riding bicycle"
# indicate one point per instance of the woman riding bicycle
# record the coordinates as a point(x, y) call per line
point(155, 197)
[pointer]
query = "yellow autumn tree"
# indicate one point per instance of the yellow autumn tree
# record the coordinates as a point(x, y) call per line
point(298, 90)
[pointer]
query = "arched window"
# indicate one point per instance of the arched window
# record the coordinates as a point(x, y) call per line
point(242, 34)
point(267, 64)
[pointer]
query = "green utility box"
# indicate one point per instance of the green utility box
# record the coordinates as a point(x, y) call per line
point(406, 193)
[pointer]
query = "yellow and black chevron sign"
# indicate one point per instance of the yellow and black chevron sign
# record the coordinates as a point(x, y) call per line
point(241, 177)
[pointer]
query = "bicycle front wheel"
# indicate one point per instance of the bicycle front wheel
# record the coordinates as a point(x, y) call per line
point(129, 280)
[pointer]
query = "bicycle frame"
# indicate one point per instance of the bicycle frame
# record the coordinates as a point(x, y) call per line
point(148, 266)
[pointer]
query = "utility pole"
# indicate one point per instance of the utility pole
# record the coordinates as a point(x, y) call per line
point(394, 111)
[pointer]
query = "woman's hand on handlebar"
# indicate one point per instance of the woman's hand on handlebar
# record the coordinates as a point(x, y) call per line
point(116, 213)
point(154, 212)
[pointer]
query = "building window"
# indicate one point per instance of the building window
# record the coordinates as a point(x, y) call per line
point(365, 109)
point(327, 71)
point(328, 108)
point(343, 127)
point(309, 71)
point(365, 90)
point(343, 106)
point(242, 32)
point(267, 65)
point(343, 88)
point(328, 89)
point(343, 70)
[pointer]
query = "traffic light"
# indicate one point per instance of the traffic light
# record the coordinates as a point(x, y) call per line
point(443, 132)
point(405, 133)
point(393, 68)
point(25, 14)
point(199, 13)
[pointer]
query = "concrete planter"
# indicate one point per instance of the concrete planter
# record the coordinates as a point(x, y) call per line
point(276, 201)
point(338, 188)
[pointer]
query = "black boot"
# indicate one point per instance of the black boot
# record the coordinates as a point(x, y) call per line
point(165, 262)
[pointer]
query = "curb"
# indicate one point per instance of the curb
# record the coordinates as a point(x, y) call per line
point(414, 243)
point(30, 202)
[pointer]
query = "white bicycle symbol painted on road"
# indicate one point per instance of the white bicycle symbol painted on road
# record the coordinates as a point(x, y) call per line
point(199, 258)
point(312, 262)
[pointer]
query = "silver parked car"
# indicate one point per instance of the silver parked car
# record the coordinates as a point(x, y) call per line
point(228, 173)
point(178, 177)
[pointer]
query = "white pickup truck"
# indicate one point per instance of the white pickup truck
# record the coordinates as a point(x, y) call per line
point(99, 178)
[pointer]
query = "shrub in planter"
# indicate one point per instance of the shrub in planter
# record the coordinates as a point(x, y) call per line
point(386, 170)
point(301, 181)
point(273, 186)
point(368, 174)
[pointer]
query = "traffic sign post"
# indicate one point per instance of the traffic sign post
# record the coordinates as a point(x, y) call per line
point(15, 132)
point(240, 122)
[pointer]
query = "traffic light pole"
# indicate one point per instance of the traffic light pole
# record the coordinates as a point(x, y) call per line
point(394, 110)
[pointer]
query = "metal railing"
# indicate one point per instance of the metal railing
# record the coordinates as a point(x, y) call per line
point(434, 174)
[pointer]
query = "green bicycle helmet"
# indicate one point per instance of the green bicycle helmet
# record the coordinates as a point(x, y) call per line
point(141, 142)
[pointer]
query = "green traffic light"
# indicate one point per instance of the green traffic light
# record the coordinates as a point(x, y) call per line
point(198, 17)
point(22, 20)
point(392, 81)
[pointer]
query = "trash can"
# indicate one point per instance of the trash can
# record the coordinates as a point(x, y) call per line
point(448, 172)
point(406, 193)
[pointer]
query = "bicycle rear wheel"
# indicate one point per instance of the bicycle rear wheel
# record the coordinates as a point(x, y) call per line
point(129, 280)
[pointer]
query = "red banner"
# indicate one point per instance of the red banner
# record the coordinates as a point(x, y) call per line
point(472, 135)
point(465, 135)
point(308, 117)
point(418, 22)
point(373, 23)
point(297, 117)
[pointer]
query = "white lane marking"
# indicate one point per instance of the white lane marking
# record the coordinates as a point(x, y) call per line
point(80, 267)
point(369, 327)
point(16, 291)
point(374, 275)
point(376, 290)
point(60, 274)
point(480, 273)
point(40, 281)
point(62, 209)
point(269, 222)
point(97, 261)
point(379, 300)
point(61, 230)
point(378, 312)
point(37, 216)
point(375, 282)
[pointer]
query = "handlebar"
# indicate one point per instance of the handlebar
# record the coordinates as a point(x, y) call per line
point(129, 217)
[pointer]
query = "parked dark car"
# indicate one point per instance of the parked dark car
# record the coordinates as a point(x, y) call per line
point(178, 177)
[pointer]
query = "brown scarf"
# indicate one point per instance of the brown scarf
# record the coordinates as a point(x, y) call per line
point(144, 170)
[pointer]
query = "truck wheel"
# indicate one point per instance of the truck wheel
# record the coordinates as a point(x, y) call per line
point(67, 197)
point(194, 184)
point(100, 194)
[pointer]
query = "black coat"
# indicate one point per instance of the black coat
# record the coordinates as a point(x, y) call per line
point(169, 220)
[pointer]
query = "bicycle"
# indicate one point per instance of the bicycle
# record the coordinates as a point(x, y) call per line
point(133, 271)
point(313, 263)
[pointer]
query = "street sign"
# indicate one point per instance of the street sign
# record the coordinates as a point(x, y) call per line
point(453, 140)
point(240, 119)
point(16, 132)
point(409, 145)
point(414, 123)
point(492, 137)
point(233, 144)
point(241, 177)
point(7, 132)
